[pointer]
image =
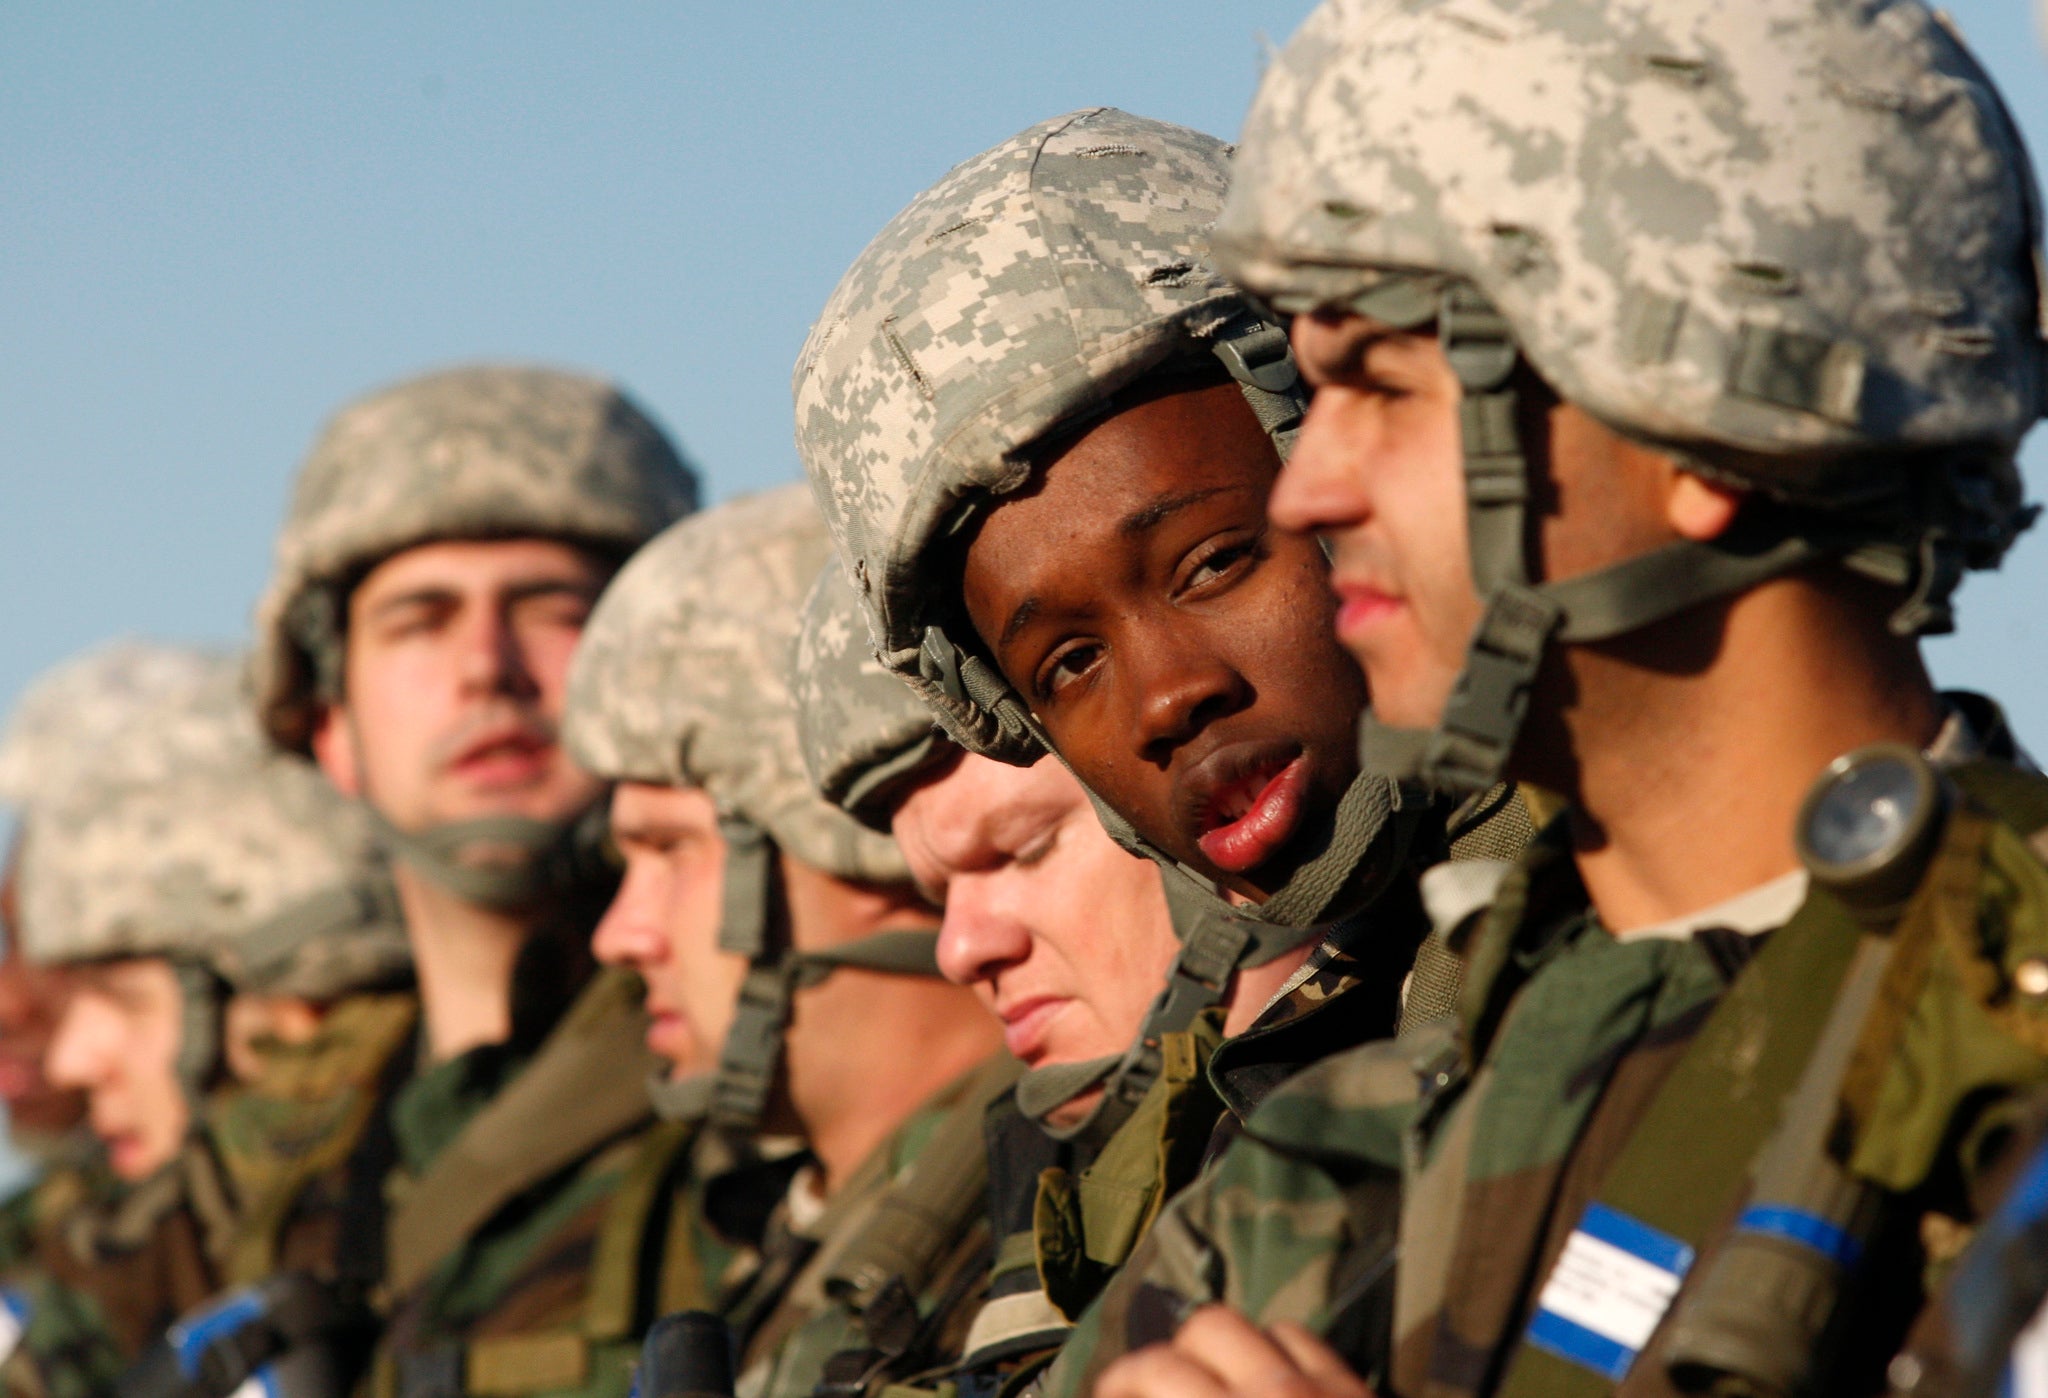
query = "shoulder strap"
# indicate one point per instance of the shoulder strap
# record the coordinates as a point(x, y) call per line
point(1787, 1046)
point(924, 1211)
point(585, 1086)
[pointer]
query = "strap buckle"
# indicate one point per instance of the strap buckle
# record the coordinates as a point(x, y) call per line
point(1260, 357)
point(1485, 711)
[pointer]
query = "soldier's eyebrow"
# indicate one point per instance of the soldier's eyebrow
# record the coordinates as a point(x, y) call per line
point(552, 587)
point(1146, 517)
point(1027, 612)
point(423, 596)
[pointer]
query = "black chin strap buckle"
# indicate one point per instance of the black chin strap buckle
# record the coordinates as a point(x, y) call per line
point(1485, 711)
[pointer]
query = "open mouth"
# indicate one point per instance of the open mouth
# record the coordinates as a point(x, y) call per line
point(1250, 814)
point(505, 757)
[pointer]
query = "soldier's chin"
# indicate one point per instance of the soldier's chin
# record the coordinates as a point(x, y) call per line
point(1074, 1110)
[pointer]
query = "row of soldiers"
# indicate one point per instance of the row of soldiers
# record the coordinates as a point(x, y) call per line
point(1331, 789)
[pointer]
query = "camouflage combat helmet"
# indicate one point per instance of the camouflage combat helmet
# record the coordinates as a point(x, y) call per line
point(1019, 296)
point(867, 741)
point(157, 822)
point(1792, 243)
point(103, 711)
point(469, 453)
point(681, 680)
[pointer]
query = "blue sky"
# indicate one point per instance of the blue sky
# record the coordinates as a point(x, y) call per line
point(220, 221)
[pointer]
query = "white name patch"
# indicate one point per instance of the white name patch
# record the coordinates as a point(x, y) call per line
point(1609, 1289)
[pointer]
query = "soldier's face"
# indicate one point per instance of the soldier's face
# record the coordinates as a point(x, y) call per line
point(31, 999)
point(664, 921)
point(1176, 646)
point(1060, 933)
point(1378, 471)
point(118, 1042)
point(457, 662)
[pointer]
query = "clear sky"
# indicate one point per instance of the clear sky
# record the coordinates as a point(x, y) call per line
point(219, 221)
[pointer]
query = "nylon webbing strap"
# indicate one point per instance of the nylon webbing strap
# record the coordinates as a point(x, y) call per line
point(749, 885)
point(752, 1051)
point(202, 1004)
point(1257, 356)
point(1822, 996)
point(1485, 711)
point(1214, 939)
point(1620, 598)
point(1679, 1180)
point(928, 1208)
point(1043, 1091)
point(1348, 872)
point(612, 1304)
point(494, 861)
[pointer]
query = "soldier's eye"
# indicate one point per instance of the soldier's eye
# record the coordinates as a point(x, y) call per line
point(1069, 663)
point(1220, 560)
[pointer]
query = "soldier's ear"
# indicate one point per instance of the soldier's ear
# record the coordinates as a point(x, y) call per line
point(334, 748)
point(1700, 509)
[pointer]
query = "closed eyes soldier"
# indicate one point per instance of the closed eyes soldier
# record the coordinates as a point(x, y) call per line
point(1655, 422)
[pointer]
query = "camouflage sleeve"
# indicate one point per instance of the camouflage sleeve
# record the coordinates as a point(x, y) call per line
point(61, 1346)
point(1292, 1222)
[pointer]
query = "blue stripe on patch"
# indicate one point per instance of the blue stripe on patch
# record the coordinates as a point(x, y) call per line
point(190, 1339)
point(1581, 1346)
point(1798, 1226)
point(1636, 1238)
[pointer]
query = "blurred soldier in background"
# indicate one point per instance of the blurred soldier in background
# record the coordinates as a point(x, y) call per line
point(170, 860)
point(445, 543)
point(1654, 423)
point(843, 1034)
point(44, 1122)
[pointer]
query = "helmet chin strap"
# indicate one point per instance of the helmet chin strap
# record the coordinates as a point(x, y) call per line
point(1468, 750)
point(754, 924)
point(504, 862)
point(202, 1007)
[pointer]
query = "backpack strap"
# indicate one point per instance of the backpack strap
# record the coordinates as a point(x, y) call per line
point(586, 1086)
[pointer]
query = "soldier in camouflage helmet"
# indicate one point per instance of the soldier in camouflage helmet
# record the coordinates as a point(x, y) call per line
point(1037, 336)
point(445, 541)
point(1043, 431)
point(117, 877)
point(842, 1033)
point(169, 858)
point(1670, 365)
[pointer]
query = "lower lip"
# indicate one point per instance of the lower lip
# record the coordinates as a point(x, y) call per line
point(1024, 1034)
point(505, 767)
point(127, 1155)
point(1255, 836)
point(669, 1036)
point(1359, 612)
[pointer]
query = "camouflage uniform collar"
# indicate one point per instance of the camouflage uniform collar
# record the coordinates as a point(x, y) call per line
point(1541, 908)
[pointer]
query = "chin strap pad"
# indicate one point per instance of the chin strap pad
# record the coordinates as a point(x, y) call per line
point(502, 862)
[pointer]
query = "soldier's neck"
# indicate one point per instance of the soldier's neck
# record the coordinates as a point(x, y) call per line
point(464, 955)
point(1690, 749)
